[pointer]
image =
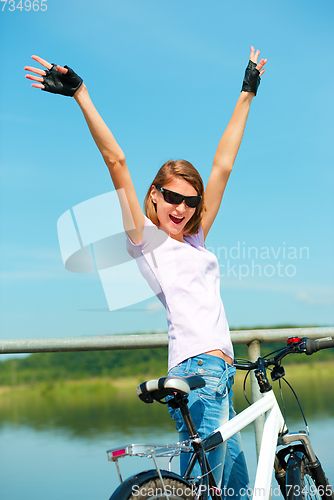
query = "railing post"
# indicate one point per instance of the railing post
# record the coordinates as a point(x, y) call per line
point(253, 353)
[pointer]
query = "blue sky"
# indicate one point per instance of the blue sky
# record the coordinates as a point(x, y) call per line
point(165, 76)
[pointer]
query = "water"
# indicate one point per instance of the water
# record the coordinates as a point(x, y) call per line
point(53, 442)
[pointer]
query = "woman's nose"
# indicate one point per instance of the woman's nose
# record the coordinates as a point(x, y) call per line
point(182, 206)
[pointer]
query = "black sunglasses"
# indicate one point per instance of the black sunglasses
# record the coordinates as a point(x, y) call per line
point(176, 198)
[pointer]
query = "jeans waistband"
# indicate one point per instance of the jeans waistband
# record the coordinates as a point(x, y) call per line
point(206, 362)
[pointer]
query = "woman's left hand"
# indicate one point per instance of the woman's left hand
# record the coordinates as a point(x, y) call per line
point(254, 58)
point(253, 72)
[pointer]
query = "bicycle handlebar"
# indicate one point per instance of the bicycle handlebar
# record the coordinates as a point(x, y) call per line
point(312, 346)
point(294, 345)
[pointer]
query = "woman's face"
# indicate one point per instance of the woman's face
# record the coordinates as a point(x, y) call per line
point(173, 218)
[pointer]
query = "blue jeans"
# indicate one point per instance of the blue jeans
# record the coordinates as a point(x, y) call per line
point(210, 407)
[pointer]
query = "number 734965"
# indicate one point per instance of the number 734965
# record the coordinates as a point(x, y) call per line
point(24, 5)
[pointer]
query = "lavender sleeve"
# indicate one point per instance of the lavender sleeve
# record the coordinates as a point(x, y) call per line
point(196, 240)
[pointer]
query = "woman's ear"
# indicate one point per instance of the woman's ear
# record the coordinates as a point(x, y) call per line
point(153, 194)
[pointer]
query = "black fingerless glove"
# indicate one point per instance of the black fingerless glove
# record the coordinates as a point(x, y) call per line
point(251, 79)
point(60, 83)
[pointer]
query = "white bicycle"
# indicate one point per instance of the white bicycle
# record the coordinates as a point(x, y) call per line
point(297, 469)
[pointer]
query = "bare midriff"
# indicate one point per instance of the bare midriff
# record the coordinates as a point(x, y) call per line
point(221, 354)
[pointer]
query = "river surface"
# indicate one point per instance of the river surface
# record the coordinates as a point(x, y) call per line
point(53, 443)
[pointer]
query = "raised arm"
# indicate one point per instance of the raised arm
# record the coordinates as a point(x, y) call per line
point(230, 142)
point(63, 80)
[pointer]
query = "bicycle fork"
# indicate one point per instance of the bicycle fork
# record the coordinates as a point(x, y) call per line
point(280, 464)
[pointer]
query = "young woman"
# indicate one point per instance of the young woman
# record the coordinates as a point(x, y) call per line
point(168, 244)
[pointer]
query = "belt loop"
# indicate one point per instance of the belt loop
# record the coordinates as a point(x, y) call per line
point(231, 375)
point(222, 382)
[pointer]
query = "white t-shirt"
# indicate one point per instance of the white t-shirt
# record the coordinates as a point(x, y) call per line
point(185, 277)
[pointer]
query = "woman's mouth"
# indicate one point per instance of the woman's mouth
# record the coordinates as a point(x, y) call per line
point(175, 219)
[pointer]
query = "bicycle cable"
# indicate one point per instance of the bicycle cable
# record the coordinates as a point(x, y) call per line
point(273, 352)
point(299, 404)
point(283, 402)
point(244, 388)
point(245, 379)
point(242, 359)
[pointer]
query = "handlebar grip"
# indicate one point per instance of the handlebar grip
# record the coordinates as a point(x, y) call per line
point(313, 346)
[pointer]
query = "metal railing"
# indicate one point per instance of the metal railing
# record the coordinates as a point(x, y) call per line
point(252, 338)
point(144, 341)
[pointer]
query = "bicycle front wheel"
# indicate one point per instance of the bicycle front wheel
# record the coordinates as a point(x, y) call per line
point(304, 482)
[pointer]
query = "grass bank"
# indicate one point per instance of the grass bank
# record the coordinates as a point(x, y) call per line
point(83, 406)
point(300, 374)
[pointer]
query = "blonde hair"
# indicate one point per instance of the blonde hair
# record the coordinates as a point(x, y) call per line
point(185, 170)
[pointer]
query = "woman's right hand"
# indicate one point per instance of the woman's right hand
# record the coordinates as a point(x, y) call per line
point(55, 79)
